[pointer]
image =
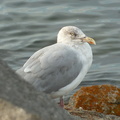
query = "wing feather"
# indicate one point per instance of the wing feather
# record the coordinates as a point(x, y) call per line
point(52, 68)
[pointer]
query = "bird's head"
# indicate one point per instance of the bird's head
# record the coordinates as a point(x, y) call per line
point(73, 34)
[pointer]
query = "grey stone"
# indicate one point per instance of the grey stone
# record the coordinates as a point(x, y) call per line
point(20, 101)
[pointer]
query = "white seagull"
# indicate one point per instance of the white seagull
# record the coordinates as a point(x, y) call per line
point(59, 68)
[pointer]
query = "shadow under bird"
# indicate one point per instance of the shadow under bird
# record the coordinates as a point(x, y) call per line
point(59, 68)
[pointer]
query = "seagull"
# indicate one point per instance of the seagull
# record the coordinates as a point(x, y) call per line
point(59, 68)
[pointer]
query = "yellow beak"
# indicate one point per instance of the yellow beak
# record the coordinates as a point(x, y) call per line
point(89, 40)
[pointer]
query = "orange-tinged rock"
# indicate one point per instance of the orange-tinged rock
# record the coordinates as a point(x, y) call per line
point(100, 98)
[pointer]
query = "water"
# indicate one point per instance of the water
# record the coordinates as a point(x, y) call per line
point(29, 25)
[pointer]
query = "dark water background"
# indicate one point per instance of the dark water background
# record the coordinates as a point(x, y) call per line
point(29, 25)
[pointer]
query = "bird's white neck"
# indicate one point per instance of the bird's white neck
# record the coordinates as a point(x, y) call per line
point(85, 50)
point(82, 48)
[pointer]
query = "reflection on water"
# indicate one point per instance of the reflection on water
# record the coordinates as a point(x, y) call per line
point(26, 26)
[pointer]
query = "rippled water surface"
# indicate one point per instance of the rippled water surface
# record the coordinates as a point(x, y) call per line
point(29, 25)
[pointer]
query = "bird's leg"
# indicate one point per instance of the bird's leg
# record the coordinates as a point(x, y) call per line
point(61, 102)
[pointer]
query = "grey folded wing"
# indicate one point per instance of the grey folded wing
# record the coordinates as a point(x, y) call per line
point(51, 68)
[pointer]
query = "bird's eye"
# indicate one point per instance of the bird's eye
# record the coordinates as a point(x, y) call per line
point(73, 34)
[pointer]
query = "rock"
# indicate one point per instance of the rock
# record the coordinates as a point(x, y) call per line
point(99, 98)
point(89, 115)
point(20, 101)
point(9, 111)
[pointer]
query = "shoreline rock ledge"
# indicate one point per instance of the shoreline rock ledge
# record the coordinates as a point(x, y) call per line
point(20, 101)
point(96, 102)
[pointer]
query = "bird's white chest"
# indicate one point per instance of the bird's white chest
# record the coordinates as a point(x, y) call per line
point(86, 53)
